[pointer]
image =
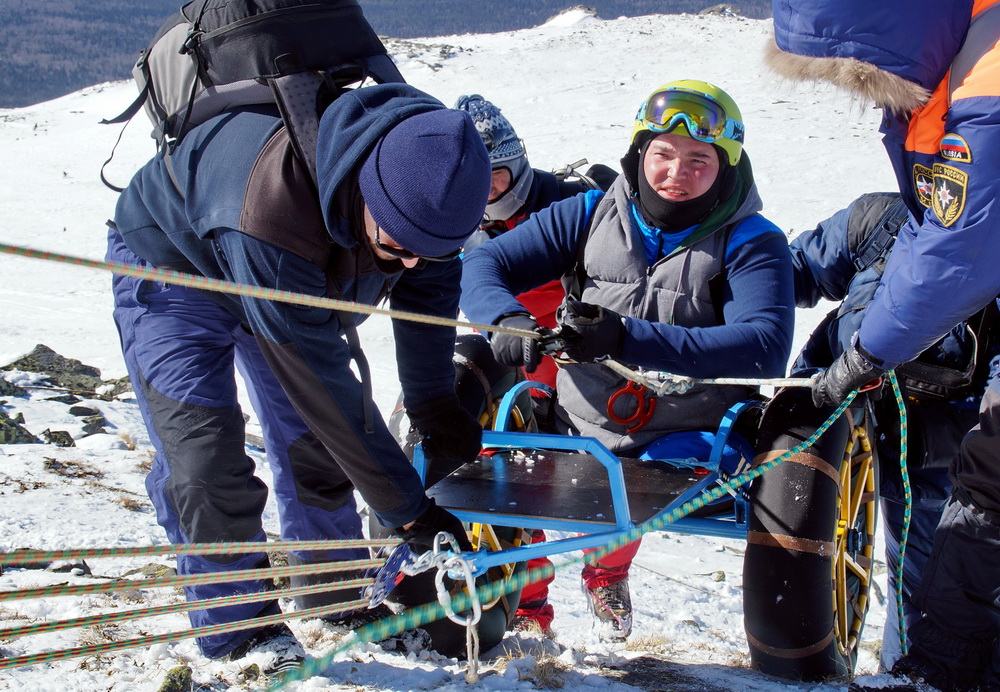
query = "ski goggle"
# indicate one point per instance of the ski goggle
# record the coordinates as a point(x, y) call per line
point(704, 118)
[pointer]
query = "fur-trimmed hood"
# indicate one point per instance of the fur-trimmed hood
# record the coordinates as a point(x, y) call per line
point(891, 52)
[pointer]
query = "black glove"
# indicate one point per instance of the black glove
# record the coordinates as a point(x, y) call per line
point(851, 371)
point(590, 331)
point(421, 534)
point(450, 432)
point(517, 351)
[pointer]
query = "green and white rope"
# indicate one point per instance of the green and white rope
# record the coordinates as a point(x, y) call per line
point(429, 612)
point(907, 510)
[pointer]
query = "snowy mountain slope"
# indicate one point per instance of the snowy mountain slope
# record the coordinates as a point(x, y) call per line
point(571, 91)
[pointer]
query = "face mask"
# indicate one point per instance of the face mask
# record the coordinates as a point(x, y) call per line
point(510, 202)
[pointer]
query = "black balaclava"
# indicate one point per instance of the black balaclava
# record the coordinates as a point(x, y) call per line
point(676, 216)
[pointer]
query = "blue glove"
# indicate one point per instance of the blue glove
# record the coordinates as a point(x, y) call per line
point(590, 331)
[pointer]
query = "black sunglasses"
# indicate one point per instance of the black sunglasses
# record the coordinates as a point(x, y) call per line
point(405, 254)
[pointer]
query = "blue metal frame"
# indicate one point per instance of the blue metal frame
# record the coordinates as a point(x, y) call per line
point(510, 398)
point(724, 525)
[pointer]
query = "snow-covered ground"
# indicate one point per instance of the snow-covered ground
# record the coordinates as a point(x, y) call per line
point(571, 90)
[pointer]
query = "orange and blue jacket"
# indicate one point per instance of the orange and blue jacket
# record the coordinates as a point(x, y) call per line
point(945, 154)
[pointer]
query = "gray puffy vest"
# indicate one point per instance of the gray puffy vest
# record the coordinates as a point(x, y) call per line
point(681, 289)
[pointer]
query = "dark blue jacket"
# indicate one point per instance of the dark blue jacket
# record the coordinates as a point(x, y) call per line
point(194, 223)
point(842, 260)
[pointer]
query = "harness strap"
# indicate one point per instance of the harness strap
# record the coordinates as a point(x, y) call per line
point(879, 242)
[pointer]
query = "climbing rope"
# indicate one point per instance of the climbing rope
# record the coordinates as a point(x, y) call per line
point(665, 383)
point(232, 288)
point(907, 511)
point(110, 647)
point(449, 563)
point(36, 556)
point(182, 607)
point(25, 556)
point(189, 579)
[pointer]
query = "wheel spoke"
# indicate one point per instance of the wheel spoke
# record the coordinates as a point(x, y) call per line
point(852, 565)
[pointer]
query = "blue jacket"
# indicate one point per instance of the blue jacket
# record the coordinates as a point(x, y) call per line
point(946, 155)
point(193, 222)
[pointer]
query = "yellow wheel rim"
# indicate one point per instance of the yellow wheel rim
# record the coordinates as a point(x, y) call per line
point(855, 540)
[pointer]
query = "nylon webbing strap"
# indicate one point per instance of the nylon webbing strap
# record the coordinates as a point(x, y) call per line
point(879, 242)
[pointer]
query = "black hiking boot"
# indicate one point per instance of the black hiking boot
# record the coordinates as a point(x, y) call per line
point(273, 649)
point(359, 618)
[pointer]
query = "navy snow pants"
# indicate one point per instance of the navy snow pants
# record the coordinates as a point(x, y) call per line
point(960, 592)
point(181, 348)
point(930, 488)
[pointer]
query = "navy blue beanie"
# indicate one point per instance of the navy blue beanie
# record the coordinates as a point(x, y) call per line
point(427, 180)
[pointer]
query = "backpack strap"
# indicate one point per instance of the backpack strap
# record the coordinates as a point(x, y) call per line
point(875, 247)
point(718, 281)
point(302, 95)
point(981, 37)
point(985, 324)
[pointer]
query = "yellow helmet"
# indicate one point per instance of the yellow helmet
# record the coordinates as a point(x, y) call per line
point(703, 111)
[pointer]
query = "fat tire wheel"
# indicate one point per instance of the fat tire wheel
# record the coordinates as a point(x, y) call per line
point(810, 542)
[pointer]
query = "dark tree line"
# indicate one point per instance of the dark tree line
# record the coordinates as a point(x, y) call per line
point(52, 48)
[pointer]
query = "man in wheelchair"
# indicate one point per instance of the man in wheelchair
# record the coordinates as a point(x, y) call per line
point(672, 269)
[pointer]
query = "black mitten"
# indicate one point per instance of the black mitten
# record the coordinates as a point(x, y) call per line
point(421, 533)
point(852, 370)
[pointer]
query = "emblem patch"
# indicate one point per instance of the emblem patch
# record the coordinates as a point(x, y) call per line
point(948, 197)
point(956, 149)
point(923, 184)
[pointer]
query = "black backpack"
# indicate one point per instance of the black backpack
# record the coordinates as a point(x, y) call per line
point(213, 55)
